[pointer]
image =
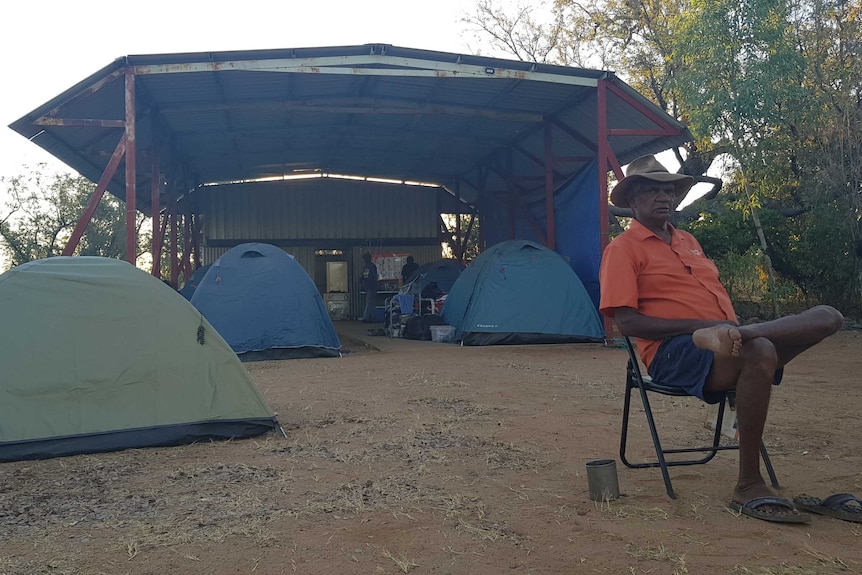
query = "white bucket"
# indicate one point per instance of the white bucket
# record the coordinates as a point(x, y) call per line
point(442, 333)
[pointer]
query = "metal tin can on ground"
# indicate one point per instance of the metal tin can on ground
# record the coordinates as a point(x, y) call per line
point(602, 479)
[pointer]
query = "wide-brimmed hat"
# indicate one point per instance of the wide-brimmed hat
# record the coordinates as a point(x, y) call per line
point(648, 168)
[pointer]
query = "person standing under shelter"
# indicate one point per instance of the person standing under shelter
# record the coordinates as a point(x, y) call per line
point(662, 290)
point(368, 284)
point(408, 269)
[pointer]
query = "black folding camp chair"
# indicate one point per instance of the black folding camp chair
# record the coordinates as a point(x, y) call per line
point(644, 384)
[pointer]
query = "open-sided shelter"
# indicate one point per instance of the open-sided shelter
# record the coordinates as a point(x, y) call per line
point(97, 355)
point(265, 306)
point(214, 146)
point(519, 292)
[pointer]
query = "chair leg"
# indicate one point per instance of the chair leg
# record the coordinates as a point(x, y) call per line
point(766, 462)
point(658, 449)
point(661, 463)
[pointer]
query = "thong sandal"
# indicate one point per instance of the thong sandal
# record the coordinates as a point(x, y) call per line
point(844, 506)
point(756, 508)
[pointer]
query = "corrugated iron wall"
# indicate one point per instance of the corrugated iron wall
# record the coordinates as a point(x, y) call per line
point(320, 208)
point(305, 216)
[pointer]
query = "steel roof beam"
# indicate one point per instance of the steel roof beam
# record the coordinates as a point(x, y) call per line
point(366, 65)
point(372, 107)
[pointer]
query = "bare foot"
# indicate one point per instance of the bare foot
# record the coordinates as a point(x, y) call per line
point(743, 494)
point(720, 339)
point(724, 340)
point(775, 509)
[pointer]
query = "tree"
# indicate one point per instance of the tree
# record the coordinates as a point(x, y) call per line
point(779, 82)
point(42, 211)
point(517, 31)
point(453, 234)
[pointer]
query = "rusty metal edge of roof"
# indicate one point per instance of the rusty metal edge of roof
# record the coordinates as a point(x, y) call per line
point(24, 124)
point(362, 49)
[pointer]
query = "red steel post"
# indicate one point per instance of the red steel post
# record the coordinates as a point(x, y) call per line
point(172, 215)
point(131, 210)
point(155, 205)
point(187, 245)
point(604, 149)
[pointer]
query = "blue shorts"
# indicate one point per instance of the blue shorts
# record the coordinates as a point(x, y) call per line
point(679, 363)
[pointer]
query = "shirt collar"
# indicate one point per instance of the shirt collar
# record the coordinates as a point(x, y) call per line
point(641, 232)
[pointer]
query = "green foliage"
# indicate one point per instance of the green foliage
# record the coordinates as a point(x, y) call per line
point(739, 72)
point(730, 240)
point(814, 260)
point(745, 278)
point(823, 257)
point(722, 232)
point(42, 210)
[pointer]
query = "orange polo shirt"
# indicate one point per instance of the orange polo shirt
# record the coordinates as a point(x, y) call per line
point(677, 281)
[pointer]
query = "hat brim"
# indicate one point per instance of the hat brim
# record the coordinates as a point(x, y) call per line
point(681, 185)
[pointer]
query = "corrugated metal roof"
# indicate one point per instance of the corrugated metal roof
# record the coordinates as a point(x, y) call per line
point(373, 110)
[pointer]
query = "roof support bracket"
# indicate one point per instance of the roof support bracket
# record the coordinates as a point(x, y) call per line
point(85, 218)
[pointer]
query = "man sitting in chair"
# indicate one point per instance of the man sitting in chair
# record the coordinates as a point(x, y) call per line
point(661, 289)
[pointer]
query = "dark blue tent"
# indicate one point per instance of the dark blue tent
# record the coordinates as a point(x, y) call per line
point(189, 287)
point(442, 272)
point(518, 291)
point(264, 304)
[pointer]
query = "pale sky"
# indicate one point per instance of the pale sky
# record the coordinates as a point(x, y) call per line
point(46, 46)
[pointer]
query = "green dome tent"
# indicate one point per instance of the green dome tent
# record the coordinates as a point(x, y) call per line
point(97, 355)
point(518, 292)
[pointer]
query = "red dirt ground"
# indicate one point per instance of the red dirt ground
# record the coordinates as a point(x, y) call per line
point(428, 458)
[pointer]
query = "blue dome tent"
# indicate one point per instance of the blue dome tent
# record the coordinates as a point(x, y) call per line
point(264, 304)
point(518, 292)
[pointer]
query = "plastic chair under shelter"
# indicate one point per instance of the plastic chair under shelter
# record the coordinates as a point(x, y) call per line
point(645, 385)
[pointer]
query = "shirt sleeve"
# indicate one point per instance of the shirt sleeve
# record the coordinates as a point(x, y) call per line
point(617, 278)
